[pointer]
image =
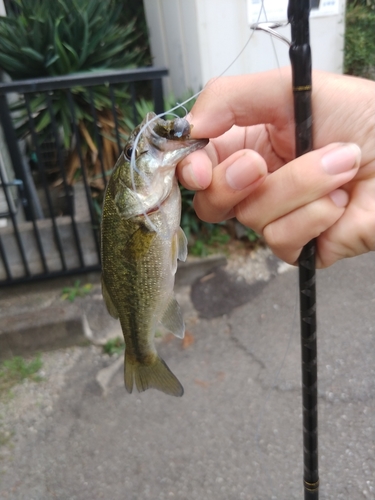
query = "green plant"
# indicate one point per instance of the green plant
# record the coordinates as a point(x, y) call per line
point(212, 239)
point(134, 9)
point(49, 38)
point(190, 222)
point(365, 3)
point(199, 248)
point(144, 106)
point(114, 346)
point(17, 369)
point(359, 51)
point(77, 290)
point(41, 38)
point(252, 236)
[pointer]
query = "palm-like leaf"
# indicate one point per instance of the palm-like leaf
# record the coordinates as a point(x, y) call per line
point(64, 36)
point(51, 38)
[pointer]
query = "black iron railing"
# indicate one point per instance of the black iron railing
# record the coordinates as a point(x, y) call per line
point(49, 222)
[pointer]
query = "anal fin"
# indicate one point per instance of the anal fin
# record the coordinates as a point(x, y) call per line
point(172, 318)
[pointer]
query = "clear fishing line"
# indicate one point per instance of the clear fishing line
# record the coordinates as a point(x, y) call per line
point(134, 168)
point(272, 387)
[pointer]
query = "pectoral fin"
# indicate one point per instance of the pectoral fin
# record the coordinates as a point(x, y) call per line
point(179, 248)
point(172, 319)
point(182, 245)
point(108, 301)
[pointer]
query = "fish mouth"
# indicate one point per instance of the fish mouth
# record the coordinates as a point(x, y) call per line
point(166, 143)
point(175, 130)
point(173, 136)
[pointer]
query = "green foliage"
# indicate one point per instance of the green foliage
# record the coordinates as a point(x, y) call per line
point(134, 9)
point(62, 112)
point(72, 292)
point(212, 238)
point(42, 38)
point(144, 106)
point(17, 369)
point(359, 58)
point(364, 3)
point(252, 236)
point(49, 38)
point(114, 346)
point(190, 223)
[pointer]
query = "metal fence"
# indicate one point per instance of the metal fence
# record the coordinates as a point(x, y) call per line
point(51, 185)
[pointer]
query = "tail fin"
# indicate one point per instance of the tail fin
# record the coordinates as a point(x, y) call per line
point(156, 375)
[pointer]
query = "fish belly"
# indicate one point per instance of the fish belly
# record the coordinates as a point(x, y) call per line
point(138, 280)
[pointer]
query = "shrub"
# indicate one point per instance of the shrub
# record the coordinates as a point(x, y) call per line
point(359, 51)
point(49, 38)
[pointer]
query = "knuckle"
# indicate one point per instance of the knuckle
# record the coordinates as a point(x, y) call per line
point(205, 210)
point(366, 231)
point(274, 238)
point(245, 216)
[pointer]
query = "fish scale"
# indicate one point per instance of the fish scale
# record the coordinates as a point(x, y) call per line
point(140, 242)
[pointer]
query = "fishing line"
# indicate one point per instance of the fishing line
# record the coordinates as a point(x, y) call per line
point(276, 376)
point(270, 390)
point(133, 166)
point(166, 235)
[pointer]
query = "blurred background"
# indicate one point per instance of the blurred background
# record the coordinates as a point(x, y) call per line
point(76, 76)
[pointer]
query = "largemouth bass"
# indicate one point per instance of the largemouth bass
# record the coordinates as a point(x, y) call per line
point(141, 242)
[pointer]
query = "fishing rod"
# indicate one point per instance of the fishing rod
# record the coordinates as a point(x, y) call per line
point(300, 58)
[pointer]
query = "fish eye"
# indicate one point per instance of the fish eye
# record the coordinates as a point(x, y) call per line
point(128, 151)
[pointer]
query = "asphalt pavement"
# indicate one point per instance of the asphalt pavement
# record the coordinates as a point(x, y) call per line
point(237, 432)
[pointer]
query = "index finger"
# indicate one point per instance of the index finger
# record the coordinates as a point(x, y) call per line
point(243, 100)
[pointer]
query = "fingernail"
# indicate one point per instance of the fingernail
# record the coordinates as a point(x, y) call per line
point(242, 173)
point(341, 159)
point(339, 197)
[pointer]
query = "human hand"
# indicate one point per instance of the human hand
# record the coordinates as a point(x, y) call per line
point(248, 171)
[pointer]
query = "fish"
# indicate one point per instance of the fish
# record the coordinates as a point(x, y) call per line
point(141, 241)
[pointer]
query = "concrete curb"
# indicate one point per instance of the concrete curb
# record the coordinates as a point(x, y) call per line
point(56, 328)
point(47, 322)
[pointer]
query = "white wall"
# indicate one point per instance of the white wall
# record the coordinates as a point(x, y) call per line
point(198, 39)
point(174, 42)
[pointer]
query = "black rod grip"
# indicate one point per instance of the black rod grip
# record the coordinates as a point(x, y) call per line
point(300, 58)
